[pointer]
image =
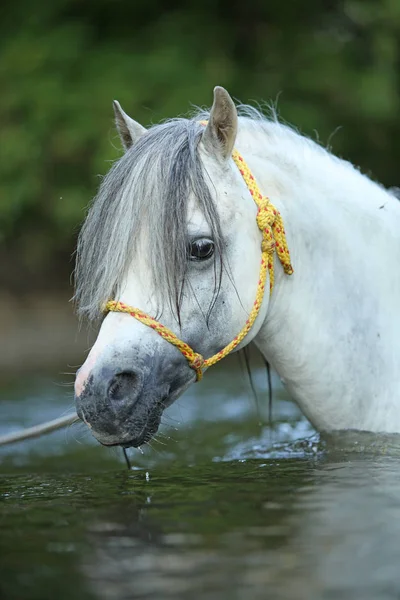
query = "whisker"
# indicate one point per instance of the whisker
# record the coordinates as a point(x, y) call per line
point(67, 410)
point(166, 437)
point(170, 426)
point(159, 441)
point(165, 416)
point(153, 449)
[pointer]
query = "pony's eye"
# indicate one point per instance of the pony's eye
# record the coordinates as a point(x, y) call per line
point(201, 249)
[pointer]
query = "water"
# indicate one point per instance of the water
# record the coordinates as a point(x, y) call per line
point(228, 508)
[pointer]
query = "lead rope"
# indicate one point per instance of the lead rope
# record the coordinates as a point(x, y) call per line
point(271, 226)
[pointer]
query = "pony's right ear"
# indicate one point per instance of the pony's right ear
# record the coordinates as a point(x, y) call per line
point(221, 130)
point(129, 130)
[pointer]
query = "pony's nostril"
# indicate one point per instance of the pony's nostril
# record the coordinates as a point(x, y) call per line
point(122, 385)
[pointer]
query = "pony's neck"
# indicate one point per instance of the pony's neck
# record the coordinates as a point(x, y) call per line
point(331, 329)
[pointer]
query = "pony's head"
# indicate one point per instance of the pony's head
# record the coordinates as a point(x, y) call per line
point(172, 232)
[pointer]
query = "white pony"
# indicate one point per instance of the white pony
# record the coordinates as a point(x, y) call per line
point(173, 232)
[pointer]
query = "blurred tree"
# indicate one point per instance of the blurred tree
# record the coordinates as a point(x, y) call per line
point(332, 63)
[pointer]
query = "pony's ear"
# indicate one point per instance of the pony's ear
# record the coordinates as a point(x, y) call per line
point(129, 130)
point(220, 133)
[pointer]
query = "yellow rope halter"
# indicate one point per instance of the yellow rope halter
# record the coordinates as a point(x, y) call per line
point(270, 224)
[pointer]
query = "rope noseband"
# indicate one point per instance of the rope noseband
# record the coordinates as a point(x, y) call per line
point(270, 224)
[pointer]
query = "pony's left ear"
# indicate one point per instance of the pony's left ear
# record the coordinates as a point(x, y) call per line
point(221, 130)
point(129, 130)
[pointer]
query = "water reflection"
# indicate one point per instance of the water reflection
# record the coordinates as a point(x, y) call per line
point(296, 529)
point(227, 508)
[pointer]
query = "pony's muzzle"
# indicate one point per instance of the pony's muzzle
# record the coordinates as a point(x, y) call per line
point(109, 404)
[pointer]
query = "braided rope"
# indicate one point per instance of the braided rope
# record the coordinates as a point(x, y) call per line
point(271, 226)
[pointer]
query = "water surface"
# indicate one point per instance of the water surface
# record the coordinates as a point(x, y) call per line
point(224, 505)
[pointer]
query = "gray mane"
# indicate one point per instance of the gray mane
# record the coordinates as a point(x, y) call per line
point(147, 189)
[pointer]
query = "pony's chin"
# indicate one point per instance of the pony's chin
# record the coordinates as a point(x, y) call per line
point(126, 441)
point(131, 437)
point(150, 428)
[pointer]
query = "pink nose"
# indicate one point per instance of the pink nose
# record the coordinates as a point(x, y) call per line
point(80, 381)
point(84, 372)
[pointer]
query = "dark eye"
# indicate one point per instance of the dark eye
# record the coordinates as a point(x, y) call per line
point(201, 249)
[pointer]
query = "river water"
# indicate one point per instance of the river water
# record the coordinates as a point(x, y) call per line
point(223, 506)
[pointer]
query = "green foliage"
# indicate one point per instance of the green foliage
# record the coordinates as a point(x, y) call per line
point(332, 64)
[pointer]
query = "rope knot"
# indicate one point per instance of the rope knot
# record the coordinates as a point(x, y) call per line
point(266, 216)
point(197, 363)
point(267, 245)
